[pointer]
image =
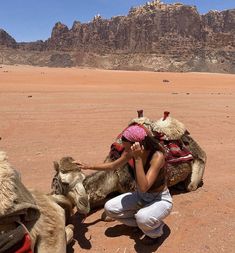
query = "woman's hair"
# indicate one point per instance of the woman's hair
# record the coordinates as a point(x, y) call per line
point(125, 139)
point(149, 143)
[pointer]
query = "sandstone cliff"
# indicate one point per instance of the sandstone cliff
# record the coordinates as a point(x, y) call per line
point(155, 36)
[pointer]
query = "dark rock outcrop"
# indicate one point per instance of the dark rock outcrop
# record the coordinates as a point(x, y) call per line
point(155, 36)
point(6, 40)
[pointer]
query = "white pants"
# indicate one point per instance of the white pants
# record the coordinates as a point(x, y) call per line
point(143, 210)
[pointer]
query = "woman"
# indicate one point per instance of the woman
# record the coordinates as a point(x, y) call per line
point(151, 203)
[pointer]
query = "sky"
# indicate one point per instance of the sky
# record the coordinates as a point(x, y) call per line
point(31, 20)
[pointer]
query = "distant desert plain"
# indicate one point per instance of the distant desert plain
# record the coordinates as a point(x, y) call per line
point(48, 113)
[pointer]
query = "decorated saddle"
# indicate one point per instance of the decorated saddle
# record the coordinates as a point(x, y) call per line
point(169, 131)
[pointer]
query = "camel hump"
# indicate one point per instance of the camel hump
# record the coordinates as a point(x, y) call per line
point(172, 128)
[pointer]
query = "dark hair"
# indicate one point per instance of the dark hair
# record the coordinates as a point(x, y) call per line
point(149, 143)
point(125, 139)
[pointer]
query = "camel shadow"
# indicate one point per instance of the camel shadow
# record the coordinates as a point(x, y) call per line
point(180, 188)
point(80, 230)
point(135, 234)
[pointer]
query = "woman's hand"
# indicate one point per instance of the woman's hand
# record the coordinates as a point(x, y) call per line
point(82, 166)
point(137, 150)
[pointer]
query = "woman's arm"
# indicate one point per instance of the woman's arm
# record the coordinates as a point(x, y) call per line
point(125, 157)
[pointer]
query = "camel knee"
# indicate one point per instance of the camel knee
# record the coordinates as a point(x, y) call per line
point(198, 168)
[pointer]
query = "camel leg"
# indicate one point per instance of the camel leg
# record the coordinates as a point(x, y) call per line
point(59, 245)
point(50, 227)
point(198, 168)
point(69, 233)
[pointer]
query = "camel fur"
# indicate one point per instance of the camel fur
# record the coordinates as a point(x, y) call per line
point(41, 215)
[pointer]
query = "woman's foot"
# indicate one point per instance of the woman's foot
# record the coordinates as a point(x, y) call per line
point(149, 240)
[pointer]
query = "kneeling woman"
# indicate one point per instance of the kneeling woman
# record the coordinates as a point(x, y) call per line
point(152, 202)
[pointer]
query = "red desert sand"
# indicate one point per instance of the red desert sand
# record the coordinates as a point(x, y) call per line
point(47, 113)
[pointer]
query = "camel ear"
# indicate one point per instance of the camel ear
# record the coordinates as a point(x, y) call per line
point(56, 166)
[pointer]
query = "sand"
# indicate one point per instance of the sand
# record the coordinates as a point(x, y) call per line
point(47, 113)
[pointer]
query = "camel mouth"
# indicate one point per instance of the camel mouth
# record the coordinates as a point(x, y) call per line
point(84, 202)
point(84, 209)
point(83, 205)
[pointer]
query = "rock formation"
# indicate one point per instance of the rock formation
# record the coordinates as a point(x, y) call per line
point(6, 40)
point(155, 36)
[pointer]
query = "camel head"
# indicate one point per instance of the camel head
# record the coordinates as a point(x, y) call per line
point(68, 181)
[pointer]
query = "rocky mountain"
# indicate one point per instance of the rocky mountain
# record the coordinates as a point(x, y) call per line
point(6, 40)
point(155, 36)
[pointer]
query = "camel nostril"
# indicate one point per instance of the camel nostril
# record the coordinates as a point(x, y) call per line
point(65, 184)
point(65, 188)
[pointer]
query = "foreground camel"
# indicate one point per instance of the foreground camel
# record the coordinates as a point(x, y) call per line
point(39, 215)
point(99, 185)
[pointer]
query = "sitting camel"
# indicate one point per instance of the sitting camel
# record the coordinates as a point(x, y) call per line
point(68, 182)
point(93, 189)
point(99, 185)
point(30, 218)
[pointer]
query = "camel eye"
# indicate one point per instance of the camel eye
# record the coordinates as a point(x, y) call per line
point(63, 171)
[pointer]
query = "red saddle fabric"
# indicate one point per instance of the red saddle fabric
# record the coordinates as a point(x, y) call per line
point(116, 151)
point(176, 152)
point(26, 245)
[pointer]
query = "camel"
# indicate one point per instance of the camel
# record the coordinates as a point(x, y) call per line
point(68, 182)
point(98, 185)
point(94, 188)
point(35, 214)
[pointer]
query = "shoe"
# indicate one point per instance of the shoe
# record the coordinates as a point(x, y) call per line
point(146, 240)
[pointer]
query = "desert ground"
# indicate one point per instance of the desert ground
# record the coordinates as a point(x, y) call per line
point(48, 113)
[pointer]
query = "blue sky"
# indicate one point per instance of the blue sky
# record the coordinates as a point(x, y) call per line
point(31, 20)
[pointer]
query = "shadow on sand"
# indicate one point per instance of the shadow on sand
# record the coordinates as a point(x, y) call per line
point(180, 188)
point(80, 230)
point(135, 234)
